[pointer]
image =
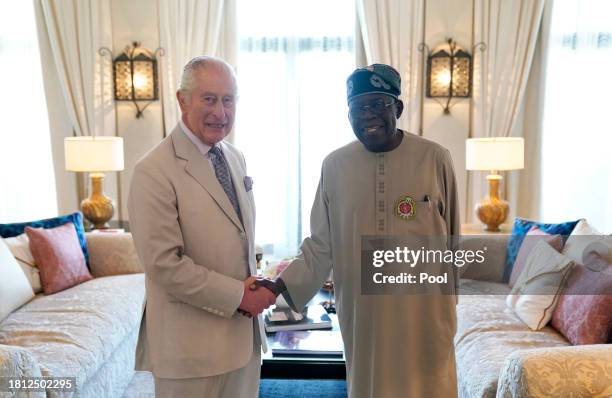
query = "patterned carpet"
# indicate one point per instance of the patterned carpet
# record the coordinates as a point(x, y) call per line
point(142, 386)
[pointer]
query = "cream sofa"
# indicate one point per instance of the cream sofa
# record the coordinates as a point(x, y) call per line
point(88, 331)
point(498, 355)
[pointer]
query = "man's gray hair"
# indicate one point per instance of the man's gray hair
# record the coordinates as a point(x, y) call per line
point(200, 62)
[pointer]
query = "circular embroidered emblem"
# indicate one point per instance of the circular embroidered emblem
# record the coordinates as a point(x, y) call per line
point(405, 208)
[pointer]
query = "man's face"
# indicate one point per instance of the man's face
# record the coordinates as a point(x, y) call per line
point(373, 118)
point(210, 108)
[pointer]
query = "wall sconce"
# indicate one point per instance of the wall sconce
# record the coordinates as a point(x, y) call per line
point(135, 75)
point(449, 72)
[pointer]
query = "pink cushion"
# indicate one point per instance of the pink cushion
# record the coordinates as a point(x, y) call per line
point(584, 311)
point(59, 257)
point(534, 235)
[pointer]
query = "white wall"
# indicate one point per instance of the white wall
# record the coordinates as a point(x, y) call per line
point(444, 19)
point(135, 20)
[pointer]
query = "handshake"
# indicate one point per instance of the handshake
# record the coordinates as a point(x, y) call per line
point(259, 294)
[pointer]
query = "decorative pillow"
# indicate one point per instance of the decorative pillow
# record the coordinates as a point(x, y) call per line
point(520, 229)
point(534, 235)
point(584, 312)
point(59, 257)
point(536, 291)
point(582, 236)
point(10, 230)
point(15, 289)
point(20, 247)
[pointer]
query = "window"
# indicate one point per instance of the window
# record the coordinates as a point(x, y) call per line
point(577, 137)
point(292, 109)
point(27, 181)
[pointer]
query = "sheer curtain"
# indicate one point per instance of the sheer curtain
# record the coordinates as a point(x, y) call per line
point(577, 137)
point(292, 109)
point(27, 181)
point(392, 31)
point(188, 28)
point(510, 30)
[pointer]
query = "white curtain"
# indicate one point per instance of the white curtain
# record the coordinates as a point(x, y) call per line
point(188, 28)
point(525, 200)
point(510, 31)
point(77, 29)
point(27, 181)
point(391, 31)
point(292, 110)
point(577, 134)
point(72, 32)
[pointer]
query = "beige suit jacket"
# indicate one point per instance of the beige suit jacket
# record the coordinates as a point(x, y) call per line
point(196, 254)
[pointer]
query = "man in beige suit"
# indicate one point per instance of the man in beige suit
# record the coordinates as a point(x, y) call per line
point(192, 215)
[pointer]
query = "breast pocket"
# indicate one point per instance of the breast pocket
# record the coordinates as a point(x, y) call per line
point(428, 219)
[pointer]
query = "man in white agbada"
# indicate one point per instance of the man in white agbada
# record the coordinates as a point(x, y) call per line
point(395, 345)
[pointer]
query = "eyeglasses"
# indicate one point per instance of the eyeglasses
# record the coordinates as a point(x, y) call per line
point(377, 107)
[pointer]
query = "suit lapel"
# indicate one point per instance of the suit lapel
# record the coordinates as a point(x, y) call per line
point(246, 208)
point(198, 167)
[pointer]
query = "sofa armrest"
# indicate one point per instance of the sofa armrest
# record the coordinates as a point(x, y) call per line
point(18, 362)
point(558, 372)
point(492, 269)
point(112, 254)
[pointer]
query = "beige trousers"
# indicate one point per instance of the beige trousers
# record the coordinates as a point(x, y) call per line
point(243, 383)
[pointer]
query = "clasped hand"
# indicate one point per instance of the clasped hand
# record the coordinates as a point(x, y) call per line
point(258, 295)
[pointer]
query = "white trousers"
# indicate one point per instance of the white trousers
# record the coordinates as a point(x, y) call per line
point(243, 383)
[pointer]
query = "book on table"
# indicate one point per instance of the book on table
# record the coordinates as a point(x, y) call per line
point(282, 319)
point(305, 343)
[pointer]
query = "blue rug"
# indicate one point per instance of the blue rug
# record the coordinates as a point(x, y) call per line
point(290, 388)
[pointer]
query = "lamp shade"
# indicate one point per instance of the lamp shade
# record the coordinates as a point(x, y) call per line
point(93, 153)
point(498, 153)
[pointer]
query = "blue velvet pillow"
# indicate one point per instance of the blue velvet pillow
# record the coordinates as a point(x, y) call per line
point(10, 230)
point(520, 229)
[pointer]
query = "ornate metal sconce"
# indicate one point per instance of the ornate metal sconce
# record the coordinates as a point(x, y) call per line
point(449, 72)
point(135, 75)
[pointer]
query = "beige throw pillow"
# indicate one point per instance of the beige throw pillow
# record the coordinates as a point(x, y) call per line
point(20, 247)
point(584, 236)
point(537, 288)
point(15, 288)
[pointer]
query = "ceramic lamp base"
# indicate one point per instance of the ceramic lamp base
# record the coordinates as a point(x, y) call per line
point(492, 210)
point(98, 208)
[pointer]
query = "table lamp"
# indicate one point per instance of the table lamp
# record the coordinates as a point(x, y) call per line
point(95, 155)
point(494, 154)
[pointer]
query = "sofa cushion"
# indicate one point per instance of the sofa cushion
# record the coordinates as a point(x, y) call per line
point(584, 311)
point(74, 332)
point(59, 257)
point(15, 229)
point(15, 289)
point(487, 332)
point(583, 236)
point(535, 294)
point(519, 230)
point(20, 247)
point(534, 235)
